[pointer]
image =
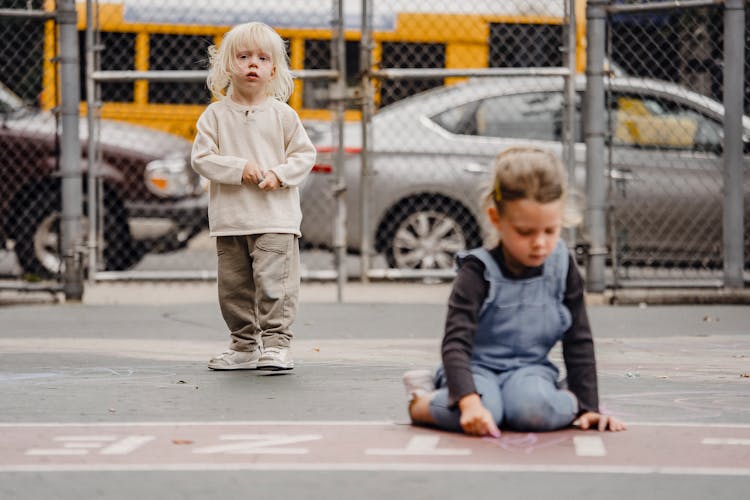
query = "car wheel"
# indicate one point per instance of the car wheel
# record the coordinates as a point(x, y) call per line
point(428, 234)
point(38, 242)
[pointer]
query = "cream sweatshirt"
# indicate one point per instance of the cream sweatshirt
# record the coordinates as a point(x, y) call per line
point(272, 136)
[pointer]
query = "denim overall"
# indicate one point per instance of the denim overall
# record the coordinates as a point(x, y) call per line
point(519, 322)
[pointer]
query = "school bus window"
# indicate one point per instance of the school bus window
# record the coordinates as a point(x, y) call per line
point(318, 56)
point(410, 55)
point(178, 52)
point(515, 45)
point(118, 55)
point(21, 59)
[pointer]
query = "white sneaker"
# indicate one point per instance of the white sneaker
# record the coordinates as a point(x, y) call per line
point(275, 358)
point(235, 360)
point(418, 383)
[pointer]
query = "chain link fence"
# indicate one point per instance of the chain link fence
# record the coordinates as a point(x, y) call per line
point(441, 87)
point(666, 139)
point(29, 161)
point(453, 84)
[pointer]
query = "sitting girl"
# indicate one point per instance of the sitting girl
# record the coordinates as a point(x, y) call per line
point(509, 306)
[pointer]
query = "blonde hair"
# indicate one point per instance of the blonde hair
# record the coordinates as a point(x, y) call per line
point(527, 173)
point(255, 35)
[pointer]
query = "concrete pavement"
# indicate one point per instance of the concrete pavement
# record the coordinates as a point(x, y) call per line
point(80, 377)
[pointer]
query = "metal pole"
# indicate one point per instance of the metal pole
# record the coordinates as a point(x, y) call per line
point(614, 261)
point(734, 82)
point(93, 167)
point(569, 111)
point(26, 14)
point(189, 75)
point(417, 73)
point(339, 97)
point(365, 65)
point(569, 60)
point(70, 152)
point(657, 6)
point(596, 25)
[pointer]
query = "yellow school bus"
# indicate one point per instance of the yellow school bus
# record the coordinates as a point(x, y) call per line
point(144, 35)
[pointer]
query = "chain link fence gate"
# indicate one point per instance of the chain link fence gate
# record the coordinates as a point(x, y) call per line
point(31, 146)
point(149, 68)
point(665, 152)
point(142, 88)
point(447, 86)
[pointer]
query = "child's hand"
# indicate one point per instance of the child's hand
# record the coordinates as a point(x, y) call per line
point(270, 182)
point(251, 174)
point(475, 418)
point(602, 422)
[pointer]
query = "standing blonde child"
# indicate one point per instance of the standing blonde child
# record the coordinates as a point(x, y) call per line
point(253, 149)
point(509, 306)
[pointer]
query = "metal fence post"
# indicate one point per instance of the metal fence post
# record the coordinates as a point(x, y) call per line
point(70, 152)
point(365, 65)
point(93, 140)
point(734, 82)
point(569, 111)
point(338, 49)
point(596, 25)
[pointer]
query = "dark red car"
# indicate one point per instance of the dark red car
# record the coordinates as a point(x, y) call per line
point(152, 199)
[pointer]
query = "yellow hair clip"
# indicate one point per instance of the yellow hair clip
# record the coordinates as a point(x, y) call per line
point(498, 194)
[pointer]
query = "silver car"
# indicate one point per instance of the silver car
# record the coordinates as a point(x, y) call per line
point(431, 158)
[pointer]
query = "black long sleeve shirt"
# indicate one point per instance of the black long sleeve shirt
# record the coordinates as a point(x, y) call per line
point(469, 292)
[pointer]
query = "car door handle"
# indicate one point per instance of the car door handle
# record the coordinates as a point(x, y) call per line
point(475, 168)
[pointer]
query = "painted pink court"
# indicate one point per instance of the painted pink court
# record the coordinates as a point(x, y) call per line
point(642, 449)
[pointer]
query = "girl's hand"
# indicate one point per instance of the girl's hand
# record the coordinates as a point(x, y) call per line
point(475, 418)
point(270, 182)
point(602, 422)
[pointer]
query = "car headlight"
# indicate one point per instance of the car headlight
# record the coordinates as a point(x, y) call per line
point(172, 177)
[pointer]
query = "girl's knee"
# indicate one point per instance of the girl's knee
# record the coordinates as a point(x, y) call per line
point(541, 411)
point(537, 416)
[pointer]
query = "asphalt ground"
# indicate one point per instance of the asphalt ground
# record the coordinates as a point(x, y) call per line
point(111, 398)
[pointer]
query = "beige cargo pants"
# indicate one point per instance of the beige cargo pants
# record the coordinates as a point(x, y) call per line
point(259, 280)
